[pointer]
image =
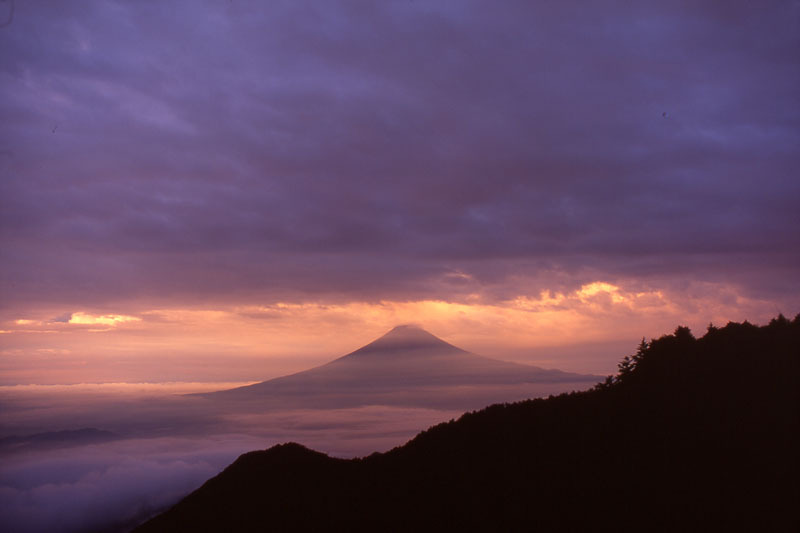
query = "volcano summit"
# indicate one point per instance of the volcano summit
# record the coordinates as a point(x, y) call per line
point(410, 367)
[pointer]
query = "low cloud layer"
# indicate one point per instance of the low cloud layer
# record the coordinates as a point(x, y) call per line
point(96, 487)
point(168, 447)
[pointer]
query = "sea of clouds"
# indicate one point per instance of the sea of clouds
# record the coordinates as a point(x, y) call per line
point(156, 446)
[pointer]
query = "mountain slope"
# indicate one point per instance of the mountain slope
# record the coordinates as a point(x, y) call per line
point(409, 366)
point(691, 435)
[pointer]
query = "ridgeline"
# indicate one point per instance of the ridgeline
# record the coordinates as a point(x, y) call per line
point(690, 435)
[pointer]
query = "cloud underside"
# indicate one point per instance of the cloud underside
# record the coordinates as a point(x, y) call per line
point(407, 151)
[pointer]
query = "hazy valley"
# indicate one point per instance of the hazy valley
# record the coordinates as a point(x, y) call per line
point(116, 454)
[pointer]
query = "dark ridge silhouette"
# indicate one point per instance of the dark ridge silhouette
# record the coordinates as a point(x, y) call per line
point(407, 366)
point(690, 435)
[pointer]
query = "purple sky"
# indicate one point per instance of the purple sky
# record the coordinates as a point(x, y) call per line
point(235, 152)
point(233, 190)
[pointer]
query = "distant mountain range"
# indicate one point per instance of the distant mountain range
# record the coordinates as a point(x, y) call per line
point(55, 439)
point(690, 435)
point(409, 366)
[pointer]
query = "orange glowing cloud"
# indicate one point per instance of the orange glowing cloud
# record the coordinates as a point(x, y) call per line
point(104, 320)
point(244, 342)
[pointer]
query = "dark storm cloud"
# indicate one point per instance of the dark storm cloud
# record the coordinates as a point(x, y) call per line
point(369, 150)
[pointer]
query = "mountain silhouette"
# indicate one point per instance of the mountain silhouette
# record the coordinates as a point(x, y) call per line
point(407, 340)
point(409, 366)
point(55, 439)
point(690, 435)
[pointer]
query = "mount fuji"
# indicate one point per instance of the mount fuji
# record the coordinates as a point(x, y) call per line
point(408, 367)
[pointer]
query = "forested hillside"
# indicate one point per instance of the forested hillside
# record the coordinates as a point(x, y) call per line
point(691, 434)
